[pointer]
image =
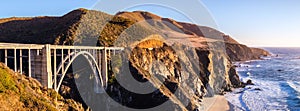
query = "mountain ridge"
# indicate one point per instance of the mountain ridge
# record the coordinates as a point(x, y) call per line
point(202, 31)
point(196, 29)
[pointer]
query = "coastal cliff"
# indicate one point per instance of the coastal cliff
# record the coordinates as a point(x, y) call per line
point(194, 70)
point(187, 79)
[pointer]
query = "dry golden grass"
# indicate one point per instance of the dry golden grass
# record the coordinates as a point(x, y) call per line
point(151, 43)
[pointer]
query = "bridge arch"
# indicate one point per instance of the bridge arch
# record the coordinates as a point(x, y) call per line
point(92, 64)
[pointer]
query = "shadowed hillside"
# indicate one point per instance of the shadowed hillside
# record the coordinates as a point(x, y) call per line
point(38, 30)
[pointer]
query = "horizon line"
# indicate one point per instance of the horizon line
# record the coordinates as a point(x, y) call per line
point(261, 46)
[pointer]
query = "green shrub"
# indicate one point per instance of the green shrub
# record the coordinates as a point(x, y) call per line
point(6, 81)
point(112, 80)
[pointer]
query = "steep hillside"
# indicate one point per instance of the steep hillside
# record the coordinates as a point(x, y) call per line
point(197, 32)
point(239, 52)
point(37, 30)
point(167, 23)
point(79, 26)
point(18, 92)
point(154, 61)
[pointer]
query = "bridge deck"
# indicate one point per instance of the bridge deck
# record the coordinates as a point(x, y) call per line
point(38, 46)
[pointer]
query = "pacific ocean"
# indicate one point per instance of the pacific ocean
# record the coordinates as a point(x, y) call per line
point(276, 82)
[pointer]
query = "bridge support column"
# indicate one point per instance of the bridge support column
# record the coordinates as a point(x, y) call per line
point(15, 60)
point(47, 76)
point(5, 55)
point(29, 63)
point(41, 66)
point(104, 67)
point(36, 63)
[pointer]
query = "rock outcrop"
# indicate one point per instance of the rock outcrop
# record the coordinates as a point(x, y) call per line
point(187, 73)
point(239, 52)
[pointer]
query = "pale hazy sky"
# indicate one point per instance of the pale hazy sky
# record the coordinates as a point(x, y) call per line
point(259, 22)
point(251, 22)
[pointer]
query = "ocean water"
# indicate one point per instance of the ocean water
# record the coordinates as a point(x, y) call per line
point(276, 79)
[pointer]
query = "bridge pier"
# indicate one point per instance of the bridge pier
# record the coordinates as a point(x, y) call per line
point(41, 66)
point(36, 63)
point(104, 66)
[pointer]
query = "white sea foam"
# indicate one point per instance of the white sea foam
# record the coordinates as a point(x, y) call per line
point(247, 61)
point(273, 89)
point(248, 73)
point(269, 97)
point(294, 85)
point(246, 65)
point(267, 58)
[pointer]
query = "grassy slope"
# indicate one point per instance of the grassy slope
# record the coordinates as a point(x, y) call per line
point(18, 92)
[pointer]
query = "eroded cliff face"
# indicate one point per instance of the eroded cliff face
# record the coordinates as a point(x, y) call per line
point(182, 75)
point(239, 52)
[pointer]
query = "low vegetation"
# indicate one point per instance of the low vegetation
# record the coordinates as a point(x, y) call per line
point(18, 92)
